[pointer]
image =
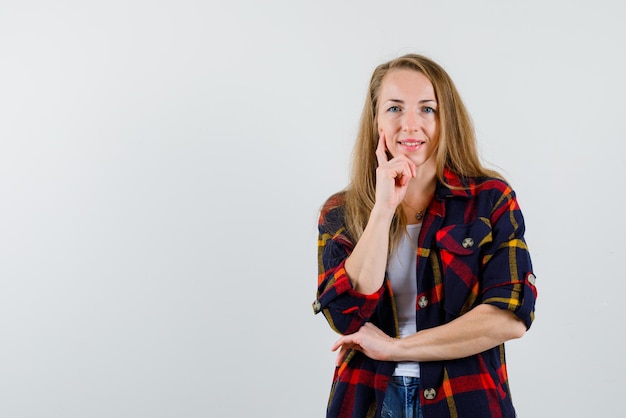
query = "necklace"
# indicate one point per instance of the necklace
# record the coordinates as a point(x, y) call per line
point(419, 215)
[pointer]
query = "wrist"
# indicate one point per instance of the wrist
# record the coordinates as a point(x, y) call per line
point(382, 214)
point(395, 349)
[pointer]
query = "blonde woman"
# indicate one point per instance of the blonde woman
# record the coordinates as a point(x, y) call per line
point(423, 266)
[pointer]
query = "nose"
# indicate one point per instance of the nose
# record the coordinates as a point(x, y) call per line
point(410, 122)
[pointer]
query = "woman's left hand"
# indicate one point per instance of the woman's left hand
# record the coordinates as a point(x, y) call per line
point(369, 339)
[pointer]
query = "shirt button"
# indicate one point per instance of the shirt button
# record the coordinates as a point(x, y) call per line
point(467, 242)
point(317, 306)
point(422, 302)
point(430, 393)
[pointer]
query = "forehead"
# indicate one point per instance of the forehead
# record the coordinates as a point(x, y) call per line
point(406, 84)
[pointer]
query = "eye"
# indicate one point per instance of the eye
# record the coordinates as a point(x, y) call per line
point(393, 109)
point(428, 109)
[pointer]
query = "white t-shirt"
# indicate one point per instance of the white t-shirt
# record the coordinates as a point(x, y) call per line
point(402, 272)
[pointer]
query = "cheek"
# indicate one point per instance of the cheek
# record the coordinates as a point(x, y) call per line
point(433, 128)
point(384, 128)
point(436, 134)
point(389, 141)
point(391, 147)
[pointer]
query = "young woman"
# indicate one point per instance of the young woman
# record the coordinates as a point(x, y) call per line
point(423, 267)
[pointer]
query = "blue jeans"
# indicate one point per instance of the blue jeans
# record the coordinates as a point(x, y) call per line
point(402, 398)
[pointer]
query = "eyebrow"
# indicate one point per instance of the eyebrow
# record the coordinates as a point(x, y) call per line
point(421, 101)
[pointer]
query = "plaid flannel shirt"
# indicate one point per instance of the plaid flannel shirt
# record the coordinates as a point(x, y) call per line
point(471, 250)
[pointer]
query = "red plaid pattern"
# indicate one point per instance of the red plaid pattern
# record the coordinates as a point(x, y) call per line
point(471, 250)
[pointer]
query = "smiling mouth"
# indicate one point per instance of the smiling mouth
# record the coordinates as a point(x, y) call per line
point(411, 143)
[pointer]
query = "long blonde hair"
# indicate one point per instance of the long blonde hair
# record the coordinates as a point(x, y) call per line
point(456, 150)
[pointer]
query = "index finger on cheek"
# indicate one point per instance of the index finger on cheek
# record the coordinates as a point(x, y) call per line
point(381, 149)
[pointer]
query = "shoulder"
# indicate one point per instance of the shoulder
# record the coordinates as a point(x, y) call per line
point(453, 184)
point(489, 193)
point(334, 203)
point(497, 196)
point(332, 214)
point(491, 185)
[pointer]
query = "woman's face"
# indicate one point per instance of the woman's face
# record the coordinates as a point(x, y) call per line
point(407, 115)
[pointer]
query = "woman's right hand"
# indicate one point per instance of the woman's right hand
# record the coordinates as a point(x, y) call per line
point(392, 177)
point(367, 263)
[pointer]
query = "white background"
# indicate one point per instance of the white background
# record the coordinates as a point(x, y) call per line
point(162, 164)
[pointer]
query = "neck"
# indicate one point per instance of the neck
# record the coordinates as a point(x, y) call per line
point(418, 196)
point(421, 187)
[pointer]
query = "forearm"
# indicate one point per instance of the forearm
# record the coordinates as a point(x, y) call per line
point(482, 328)
point(367, 264)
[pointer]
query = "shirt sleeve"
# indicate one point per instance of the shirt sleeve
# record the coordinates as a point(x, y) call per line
point(345, 309)
point(507, 278)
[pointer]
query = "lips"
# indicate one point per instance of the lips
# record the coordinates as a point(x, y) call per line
point(411, 142)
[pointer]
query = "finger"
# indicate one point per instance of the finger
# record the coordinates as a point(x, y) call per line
point(371, 328)
point(404, 174)
point(405, 178)
point(405, 171)
point(337, 344)
point(413, 168)
point(381, 150)
point(340, 356)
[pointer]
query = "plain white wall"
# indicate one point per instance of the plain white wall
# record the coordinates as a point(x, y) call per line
point(162, 164)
